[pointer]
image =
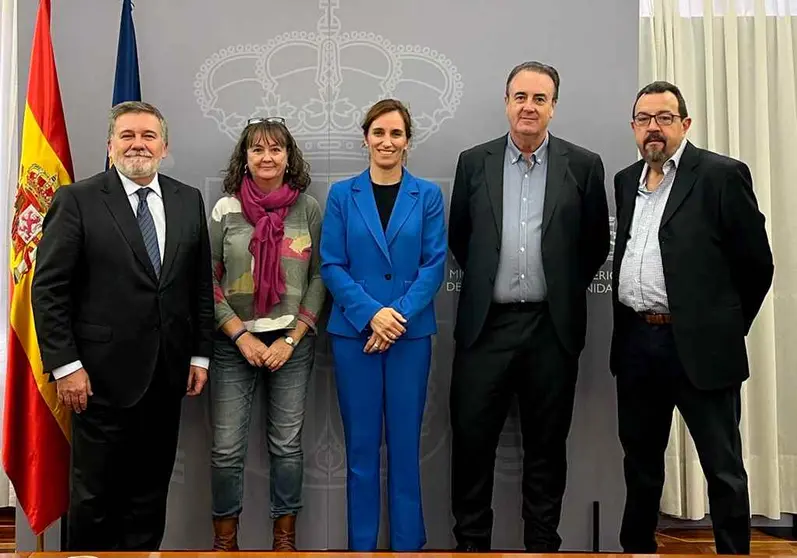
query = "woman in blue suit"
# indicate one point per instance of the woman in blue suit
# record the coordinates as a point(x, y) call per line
point(383, 254)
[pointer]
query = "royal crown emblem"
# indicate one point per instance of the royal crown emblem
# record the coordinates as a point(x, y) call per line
point(323, 82)
point(34, 196)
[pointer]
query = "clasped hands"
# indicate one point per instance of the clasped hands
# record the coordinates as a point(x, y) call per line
point(261, 355)
point(387, 326)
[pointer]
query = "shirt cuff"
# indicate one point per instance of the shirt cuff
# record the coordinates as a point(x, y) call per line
point(308, 322)
point(201, 362)
point(66, 369)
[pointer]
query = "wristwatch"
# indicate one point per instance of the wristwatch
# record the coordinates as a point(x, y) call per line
point(289, 340)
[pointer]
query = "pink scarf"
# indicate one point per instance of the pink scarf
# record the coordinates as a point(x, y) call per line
point(266, 213)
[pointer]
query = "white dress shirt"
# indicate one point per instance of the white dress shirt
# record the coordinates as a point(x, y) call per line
point(155, 203)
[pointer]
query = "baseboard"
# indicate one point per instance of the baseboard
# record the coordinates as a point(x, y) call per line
point(787, 521)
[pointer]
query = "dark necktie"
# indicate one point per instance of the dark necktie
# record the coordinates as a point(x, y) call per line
point(147, 226)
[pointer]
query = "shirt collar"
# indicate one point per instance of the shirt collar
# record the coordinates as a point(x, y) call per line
point(672, 162)
point(131, 187)
point(537, 157)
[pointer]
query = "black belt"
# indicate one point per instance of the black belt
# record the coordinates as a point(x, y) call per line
point(519, 306)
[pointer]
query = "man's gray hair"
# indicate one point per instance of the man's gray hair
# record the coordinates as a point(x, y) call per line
point(136, 107)
point(538, 68)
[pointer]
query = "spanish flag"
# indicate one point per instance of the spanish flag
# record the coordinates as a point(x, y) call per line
point(36, 431)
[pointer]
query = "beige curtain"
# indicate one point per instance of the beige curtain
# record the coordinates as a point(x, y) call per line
point(8, 180)
point(736, 64)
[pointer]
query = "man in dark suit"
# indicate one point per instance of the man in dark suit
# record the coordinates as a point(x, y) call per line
point(123, 305)
point(692, 266)
point(529, 227)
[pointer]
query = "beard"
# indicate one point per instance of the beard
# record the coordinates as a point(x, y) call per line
point(654, 154)
point(138, 167)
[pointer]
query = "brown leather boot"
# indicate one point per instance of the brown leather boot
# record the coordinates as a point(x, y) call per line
point(225, 532)
point(285, 533)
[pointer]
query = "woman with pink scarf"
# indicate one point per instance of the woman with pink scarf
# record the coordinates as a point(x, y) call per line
point(265, 235)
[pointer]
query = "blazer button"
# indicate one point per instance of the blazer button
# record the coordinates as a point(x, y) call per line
point(388, 276)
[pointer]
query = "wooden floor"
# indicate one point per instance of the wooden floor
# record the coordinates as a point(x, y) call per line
point(307, 555)
point(7, 536)
point(292, 555)
point(701, 541)
point(671, 542)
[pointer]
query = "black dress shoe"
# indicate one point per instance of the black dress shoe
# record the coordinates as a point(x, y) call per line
point(468, 547)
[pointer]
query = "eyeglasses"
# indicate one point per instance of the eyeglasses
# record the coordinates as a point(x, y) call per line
point(259, 119)
point(643, 119)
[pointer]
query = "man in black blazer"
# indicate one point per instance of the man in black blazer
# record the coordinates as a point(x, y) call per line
point(529, 228)
point(692, 266)
point(123, 305)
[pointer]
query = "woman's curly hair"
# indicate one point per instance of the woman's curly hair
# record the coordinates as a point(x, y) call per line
point(297, 171)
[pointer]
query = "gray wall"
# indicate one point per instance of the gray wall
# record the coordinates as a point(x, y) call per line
point(210, 65)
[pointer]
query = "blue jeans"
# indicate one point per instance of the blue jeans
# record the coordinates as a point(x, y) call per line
point(232, 387)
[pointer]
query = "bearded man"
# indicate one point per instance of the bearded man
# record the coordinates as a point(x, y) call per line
point(692, 266)
point(122, 299)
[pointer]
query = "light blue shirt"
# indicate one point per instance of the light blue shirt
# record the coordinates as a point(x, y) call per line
point(641, 284)
point(520, 276)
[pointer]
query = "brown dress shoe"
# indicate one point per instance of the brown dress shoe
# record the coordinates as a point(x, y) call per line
point(285, 533)
point(225, 534)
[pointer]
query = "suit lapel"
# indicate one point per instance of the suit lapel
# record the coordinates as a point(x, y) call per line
point(405, 202)
point(494, 175)
point(684, 180)
point(173, 209)
point(554, 179)
point(116, 200)
point(363, 195)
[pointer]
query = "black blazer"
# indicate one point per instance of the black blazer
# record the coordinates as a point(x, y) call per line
point(96, 298)
point(575, 234)
point(716, 258)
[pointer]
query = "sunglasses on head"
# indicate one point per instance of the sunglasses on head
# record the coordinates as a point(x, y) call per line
point(259, 119)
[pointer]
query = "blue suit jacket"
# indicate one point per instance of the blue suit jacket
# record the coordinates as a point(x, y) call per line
point(366, 268)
